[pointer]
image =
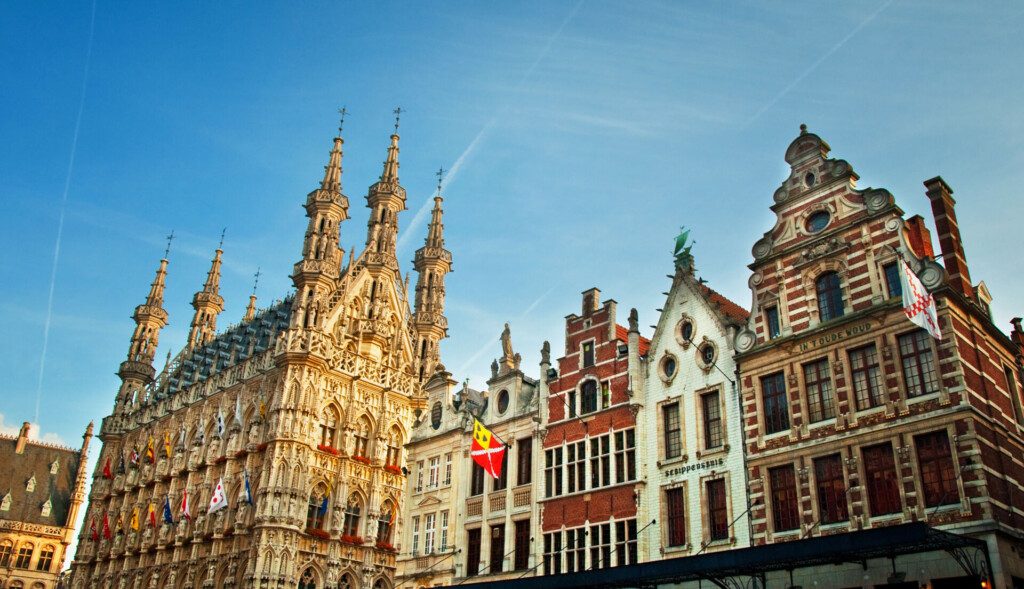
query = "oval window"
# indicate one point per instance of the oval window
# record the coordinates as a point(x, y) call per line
point(809, 179)
point(707, 354)
point(817, 221)
point(502, 401)
point(668, 366)
point(687, 331)
point(435, 416)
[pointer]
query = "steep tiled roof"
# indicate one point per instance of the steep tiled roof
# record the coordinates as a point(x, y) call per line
point(622, 333)
point(242, 341)
point(728, 308)
point(37, 461)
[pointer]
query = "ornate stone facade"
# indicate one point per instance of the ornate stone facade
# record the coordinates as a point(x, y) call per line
point(305, 407)
point(854, 418)
point(45, 488)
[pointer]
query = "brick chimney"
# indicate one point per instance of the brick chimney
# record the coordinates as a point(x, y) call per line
point(918, 237)
point(950, 243)
point(22, 439)
point(591, 301)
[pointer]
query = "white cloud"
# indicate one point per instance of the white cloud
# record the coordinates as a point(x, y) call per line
point(33, 432)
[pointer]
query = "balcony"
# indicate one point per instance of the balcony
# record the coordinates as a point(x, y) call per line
point(522, 498)
point(474, 507)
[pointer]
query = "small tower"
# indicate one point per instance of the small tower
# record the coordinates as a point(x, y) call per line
point(208, 304)
point(250, 311)
point(432, 263)
point(385, 199)
point(314, 275)
point(150, 317)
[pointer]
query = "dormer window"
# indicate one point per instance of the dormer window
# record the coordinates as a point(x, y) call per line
point(830, 296)
point(47, 507)
point(31, 484)
point(5, 503)
point(54, 467)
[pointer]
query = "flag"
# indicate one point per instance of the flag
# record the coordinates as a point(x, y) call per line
point(168, 519)
point(219, 500)
point(248, 490)
point(119, 523)
point(151, 515)
point(167, 444)
point(323, 504)
point(918, 303)
point(120, 463)
point(92, 530)
point(106, 525)
point(107, 474)
point(133, 457)
point(135, 518)
point(150, 450)
point(220, 423)
point(263, 405)
point(183, 509)
point(487, 451)
point(238, 409)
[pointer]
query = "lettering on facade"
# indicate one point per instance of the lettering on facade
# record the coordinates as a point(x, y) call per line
point(835, 336)
point(694, 467)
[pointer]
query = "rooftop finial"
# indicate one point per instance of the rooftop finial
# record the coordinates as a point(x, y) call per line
point(398, 115)
point(803, 129)
point(167, 250)
point(220, 245)
point(341, 122)
point(440, 178)
point(256, 280)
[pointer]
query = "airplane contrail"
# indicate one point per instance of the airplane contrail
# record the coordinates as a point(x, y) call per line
point(818, 62)
point(60, 221)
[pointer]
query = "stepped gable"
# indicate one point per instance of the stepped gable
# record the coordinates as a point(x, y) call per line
point(36, 460)
point(243, 340)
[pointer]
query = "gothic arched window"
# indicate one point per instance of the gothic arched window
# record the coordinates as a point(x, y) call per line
point(346, 582)
point(384, 523)
point(317, 509)
point(352, 511)
point(362, 437)
point(308, 579)
point(394, 447)
point(830, 296)
point(329, 427)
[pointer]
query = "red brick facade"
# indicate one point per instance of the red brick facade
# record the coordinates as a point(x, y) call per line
point(590, 466)
point(925, 429)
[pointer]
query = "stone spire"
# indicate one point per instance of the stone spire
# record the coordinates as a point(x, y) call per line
point(314, 275)
point(385, 199)
point(250, 311)
point(208, 304)
point(432, 263)
point(150, 317)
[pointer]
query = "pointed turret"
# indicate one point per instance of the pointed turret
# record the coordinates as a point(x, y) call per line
point(314, 275)
point(250, 311)
point(385, 200)
point(432, 263)
point(208, 304)
point(150, 317)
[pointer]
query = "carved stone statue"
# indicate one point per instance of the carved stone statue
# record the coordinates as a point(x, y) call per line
point(634, 320)
point(545, 353)
point(506, 344)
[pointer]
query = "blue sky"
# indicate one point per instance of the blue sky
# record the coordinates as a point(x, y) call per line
point(584, 134)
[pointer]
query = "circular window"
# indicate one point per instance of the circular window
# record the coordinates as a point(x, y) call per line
point(809, 179)
point(817, 221)
point(686, 330)
point(435, 416)
point(668, 367)
point(502, 401)
point(707, 354)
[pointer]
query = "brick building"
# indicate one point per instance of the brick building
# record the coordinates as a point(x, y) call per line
point(854, 418)
point(590, 510)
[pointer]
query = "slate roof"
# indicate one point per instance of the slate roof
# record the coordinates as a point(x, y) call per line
point(189, 368)
point(36, 460)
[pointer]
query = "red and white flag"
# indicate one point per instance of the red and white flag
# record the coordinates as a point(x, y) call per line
point(918, 303)
point(486, 450)
point(185, 513)
point(219, 499)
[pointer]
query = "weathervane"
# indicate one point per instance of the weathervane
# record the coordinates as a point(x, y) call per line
point(341, 123)
point(257, 280)
point(220, 245)
point(398, 115)
point(440, 177)
point(167, 250)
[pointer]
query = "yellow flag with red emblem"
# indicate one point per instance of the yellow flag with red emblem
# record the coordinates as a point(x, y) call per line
point(486, 450)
